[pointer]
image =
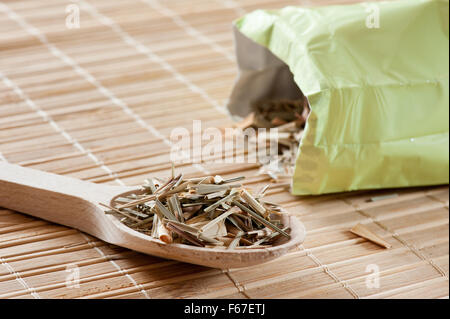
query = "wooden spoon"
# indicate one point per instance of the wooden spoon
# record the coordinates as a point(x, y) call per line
point(75, 203)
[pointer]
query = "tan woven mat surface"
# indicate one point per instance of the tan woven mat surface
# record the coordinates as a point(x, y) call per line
point(98, 103)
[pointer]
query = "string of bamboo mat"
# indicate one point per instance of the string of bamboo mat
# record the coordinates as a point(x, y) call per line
point(331, 263)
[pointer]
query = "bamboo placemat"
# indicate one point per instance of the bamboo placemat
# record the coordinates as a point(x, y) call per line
point(99, 102)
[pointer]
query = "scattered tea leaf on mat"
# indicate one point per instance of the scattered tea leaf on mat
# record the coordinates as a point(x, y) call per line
point(383, 197)
point(364, 232)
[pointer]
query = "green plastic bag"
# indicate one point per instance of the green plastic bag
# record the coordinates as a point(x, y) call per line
point(376, 77)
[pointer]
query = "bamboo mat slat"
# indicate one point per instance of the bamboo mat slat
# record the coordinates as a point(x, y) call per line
point(99, 103)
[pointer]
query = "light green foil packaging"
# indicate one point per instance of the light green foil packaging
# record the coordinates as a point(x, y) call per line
point(376, 77)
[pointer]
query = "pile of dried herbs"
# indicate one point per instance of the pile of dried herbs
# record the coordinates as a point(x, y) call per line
point(289, 118)
point(205, 212)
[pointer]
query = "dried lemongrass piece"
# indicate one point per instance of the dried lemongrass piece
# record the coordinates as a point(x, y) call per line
point(136, 196)
point(217, 230)
point(184, 235)
point(362, 231)
point(201, 180)
point(225, 240)
point(288, 127)
point(154, 196)
point(260, 233)
point(262, 192)
point(220, 218)
point(154, 230)
point(383, 197)
point(150, 185)
point(163, 210)
point(210, 240)
point(194, 231)
point(178, 182)
point(233, 230)
point(173, 169)
point(193, 197)
point(175, 207)
point(275, 212)
point(137, 201)
point(166, 188)
point(277, 121)
point(225, 206)
point(204, 189)
point(246, 241)
point(216, 195)
point(144, 222)
point(120, 212)
point(248, 221)
point(218, 179)
point(276, 222)
point(178, 187)
point(223, 200)
point(268, 238)
point(123, 200)
point(244, 222)
point(136, 213)
point(234, 222)
point(233, 180)
point(253, 203)
point(164, 234)
point(190, 211)
point(187, 206)
point(201, 219)
point(261, 220)
point(236, 241)
point(249, 121)
point(183, 227)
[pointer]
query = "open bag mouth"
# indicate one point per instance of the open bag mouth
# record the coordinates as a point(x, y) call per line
point(278, 127)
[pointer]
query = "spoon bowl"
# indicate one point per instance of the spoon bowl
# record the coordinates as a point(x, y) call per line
point(75, 203)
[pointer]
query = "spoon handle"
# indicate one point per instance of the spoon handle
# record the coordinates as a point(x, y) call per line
point(56, 198)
